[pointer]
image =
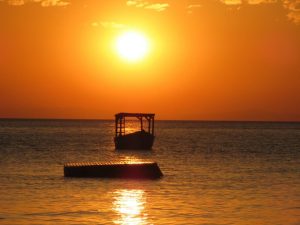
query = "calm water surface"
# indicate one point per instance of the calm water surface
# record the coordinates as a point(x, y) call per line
point(215, 173)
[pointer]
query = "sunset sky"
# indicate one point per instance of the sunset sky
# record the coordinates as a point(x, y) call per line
point(206, 60)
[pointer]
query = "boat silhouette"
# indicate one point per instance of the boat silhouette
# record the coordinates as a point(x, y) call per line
point(142, 139)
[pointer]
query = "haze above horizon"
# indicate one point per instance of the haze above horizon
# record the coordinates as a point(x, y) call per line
point(190, 60)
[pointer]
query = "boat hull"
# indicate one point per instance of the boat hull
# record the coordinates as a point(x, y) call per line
point(137, 140)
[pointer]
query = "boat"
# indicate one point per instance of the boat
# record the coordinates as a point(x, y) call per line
point(142, 139)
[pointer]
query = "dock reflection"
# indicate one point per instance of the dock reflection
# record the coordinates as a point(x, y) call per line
point(129, 206)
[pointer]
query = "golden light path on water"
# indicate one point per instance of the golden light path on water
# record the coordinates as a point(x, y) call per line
point(129, 206)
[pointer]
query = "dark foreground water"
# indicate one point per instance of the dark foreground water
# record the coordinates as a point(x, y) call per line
point(215, 173)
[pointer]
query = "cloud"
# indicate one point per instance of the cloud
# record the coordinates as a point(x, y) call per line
point(232, 2)
point(16, 2)
point(107, 24)
point(192, 7)
point(159, 7)
point(47, 3)
point(43, 3)
point(137, 3)
point(292, 7)
point(294, 10)
point(250, 2)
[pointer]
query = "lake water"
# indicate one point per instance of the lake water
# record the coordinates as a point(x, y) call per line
point(214, 173)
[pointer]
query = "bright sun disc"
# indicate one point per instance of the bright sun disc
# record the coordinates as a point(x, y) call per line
point(132, 46)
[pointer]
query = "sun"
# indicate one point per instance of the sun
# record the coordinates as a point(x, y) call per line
point(132, 46)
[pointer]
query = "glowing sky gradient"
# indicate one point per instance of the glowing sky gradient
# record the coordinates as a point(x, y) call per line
point(210, 60)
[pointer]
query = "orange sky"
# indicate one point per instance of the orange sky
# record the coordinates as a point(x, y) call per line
point(209, 60)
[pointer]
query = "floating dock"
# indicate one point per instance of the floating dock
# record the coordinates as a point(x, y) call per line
point(136, 170)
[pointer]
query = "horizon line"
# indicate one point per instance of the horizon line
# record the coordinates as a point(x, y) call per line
point(179, 120)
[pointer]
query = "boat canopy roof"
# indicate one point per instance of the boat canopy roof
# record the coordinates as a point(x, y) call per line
point(124, 114)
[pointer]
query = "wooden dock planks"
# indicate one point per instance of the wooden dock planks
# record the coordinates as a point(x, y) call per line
point(140, 170)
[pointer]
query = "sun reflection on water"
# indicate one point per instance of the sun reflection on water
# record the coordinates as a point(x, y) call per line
point(129, 206)
point(132, 160)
